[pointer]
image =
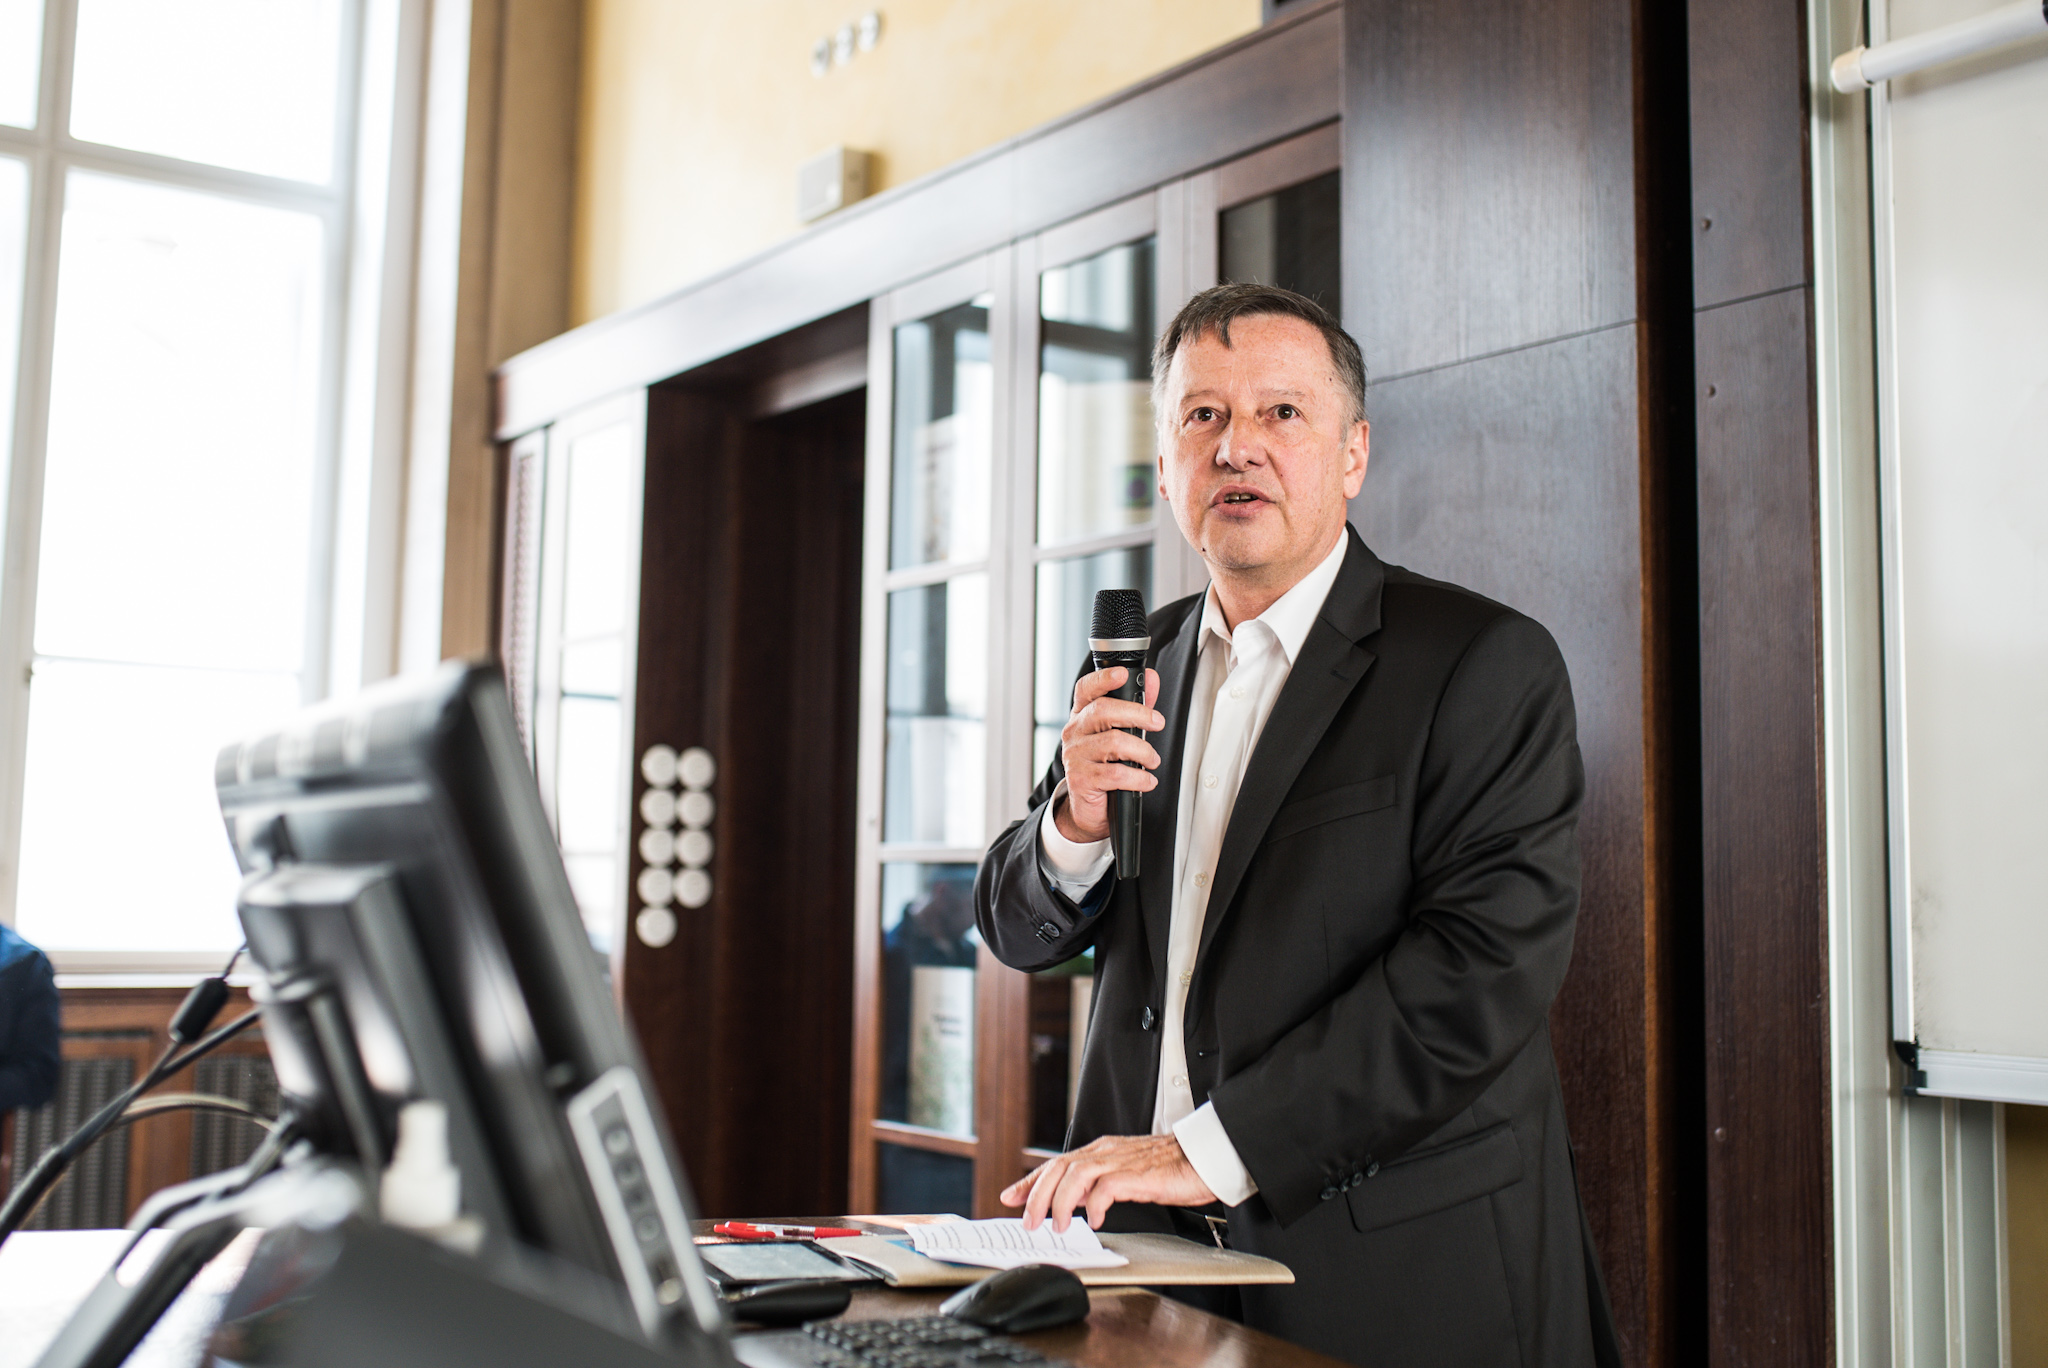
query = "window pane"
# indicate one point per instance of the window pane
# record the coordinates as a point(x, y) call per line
point(945, 422)
point(1289, 239)
point(13, 242)
point(1095, 432)
point(1066, 608)
point(593, 879)
point(588, 780)
point(1060, 1002)
point(177, 497)
point(121, 839)
point(594, 553)
point(928, 956)
point(21, 60)
point(248, 84)
point(588, 775)
point(594, 668)
point(919, 1182)
point(938, 698)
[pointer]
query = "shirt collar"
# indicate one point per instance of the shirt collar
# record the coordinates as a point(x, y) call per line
point(1293, 613)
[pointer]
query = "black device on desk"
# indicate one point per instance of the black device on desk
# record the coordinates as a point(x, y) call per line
point(406, 903)
point(963, 1335)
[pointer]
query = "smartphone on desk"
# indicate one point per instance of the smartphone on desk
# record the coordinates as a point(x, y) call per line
point(763, 1261)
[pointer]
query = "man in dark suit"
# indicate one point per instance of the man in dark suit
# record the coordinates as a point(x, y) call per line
point(1322, 1004)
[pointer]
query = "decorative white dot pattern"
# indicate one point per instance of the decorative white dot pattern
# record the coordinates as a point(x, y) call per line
point(678, 790)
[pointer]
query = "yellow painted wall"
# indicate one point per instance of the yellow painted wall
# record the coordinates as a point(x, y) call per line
point(2026, 1233)
point(696, 114)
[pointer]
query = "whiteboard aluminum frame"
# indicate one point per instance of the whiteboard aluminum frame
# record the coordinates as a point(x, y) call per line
point(1936, 1073)
point(1982, 1077)
point(1890, 569)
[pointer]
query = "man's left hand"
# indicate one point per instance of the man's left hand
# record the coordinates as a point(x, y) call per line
point(1112, 1168)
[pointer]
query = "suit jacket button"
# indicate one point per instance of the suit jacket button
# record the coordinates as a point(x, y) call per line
point(1371, 1169)
point(1145, 1020)
point(1328, 1193)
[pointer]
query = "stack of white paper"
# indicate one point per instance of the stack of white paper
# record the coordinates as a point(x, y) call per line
point(1004, 1243)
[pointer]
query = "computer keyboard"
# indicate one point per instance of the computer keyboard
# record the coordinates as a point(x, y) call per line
point(920, 1342)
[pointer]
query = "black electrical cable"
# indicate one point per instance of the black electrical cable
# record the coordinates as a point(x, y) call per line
point(29, 1192)
point(144, 1108)
point(147, 1107)
point(268, 1154)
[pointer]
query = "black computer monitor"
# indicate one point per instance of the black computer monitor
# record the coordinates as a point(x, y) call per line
point(405, 901)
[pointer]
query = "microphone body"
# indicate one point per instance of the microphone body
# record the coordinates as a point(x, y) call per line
point(1118, 636)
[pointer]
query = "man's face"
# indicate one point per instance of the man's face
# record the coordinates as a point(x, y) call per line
point(1258, 453)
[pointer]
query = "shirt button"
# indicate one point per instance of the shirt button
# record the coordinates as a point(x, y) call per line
point(1209, 781)
point(1201, 880)
point(1187, 977)
point(1237, 691)
point(1180, 1080)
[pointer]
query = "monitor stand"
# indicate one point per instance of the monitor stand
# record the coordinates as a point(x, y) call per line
point(328, 1289)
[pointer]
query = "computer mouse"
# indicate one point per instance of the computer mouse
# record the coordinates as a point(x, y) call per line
point(1034, 1297)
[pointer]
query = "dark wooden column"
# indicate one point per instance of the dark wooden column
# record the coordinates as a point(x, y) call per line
point(1514, 258)
point(1769, 1284)
point(749, 616)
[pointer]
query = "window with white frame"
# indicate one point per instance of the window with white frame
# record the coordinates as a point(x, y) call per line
point(176, 191)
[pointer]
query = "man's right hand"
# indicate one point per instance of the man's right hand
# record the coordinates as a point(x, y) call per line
point(1091, 747)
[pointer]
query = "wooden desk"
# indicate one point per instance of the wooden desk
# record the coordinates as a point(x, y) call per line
point(44, 1274)
point(1125, 1325)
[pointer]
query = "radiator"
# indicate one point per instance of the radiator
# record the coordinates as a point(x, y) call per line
point(219, 1140)
point(94, 1194)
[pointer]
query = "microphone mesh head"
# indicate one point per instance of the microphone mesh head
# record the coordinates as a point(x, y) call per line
point(1119, 615)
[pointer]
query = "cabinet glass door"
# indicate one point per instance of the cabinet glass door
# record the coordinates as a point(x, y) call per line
point(1012, 476)
point(1095, 529)
point(1289, 238)
point(571, 613)
point(929, 602)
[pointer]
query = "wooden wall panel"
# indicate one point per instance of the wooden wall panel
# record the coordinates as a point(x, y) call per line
point(1518, 476)
point(672, 995)
point(1769, 1229)
point(1515, 206)
point(1489, 151)
point(1769, 1283)
point(1749, 109)
point(749, 615)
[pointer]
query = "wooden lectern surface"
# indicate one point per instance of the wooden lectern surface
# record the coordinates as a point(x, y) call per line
point(43, 1274)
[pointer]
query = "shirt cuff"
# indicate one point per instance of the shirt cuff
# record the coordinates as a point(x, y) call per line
point(1207, 1146)
point(1073, 867)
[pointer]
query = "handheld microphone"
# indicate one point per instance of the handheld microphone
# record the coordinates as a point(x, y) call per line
point(1118, 637)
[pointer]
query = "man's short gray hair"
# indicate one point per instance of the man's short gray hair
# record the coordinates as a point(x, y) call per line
point(1217, 307)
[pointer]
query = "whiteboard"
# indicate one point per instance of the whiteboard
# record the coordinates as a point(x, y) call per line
point(1961, 178)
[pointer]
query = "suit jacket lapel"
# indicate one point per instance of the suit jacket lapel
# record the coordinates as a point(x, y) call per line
point(1160, 809)
point(1329, 667)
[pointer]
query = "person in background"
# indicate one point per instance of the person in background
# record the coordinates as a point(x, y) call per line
point(28, 1024)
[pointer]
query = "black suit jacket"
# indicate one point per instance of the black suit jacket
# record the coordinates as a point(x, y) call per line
point(1390, 919)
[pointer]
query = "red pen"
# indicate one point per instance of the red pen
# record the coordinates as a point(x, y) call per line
point(756, 1230)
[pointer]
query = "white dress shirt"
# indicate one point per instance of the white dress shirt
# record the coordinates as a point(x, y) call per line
point(1238, 677)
